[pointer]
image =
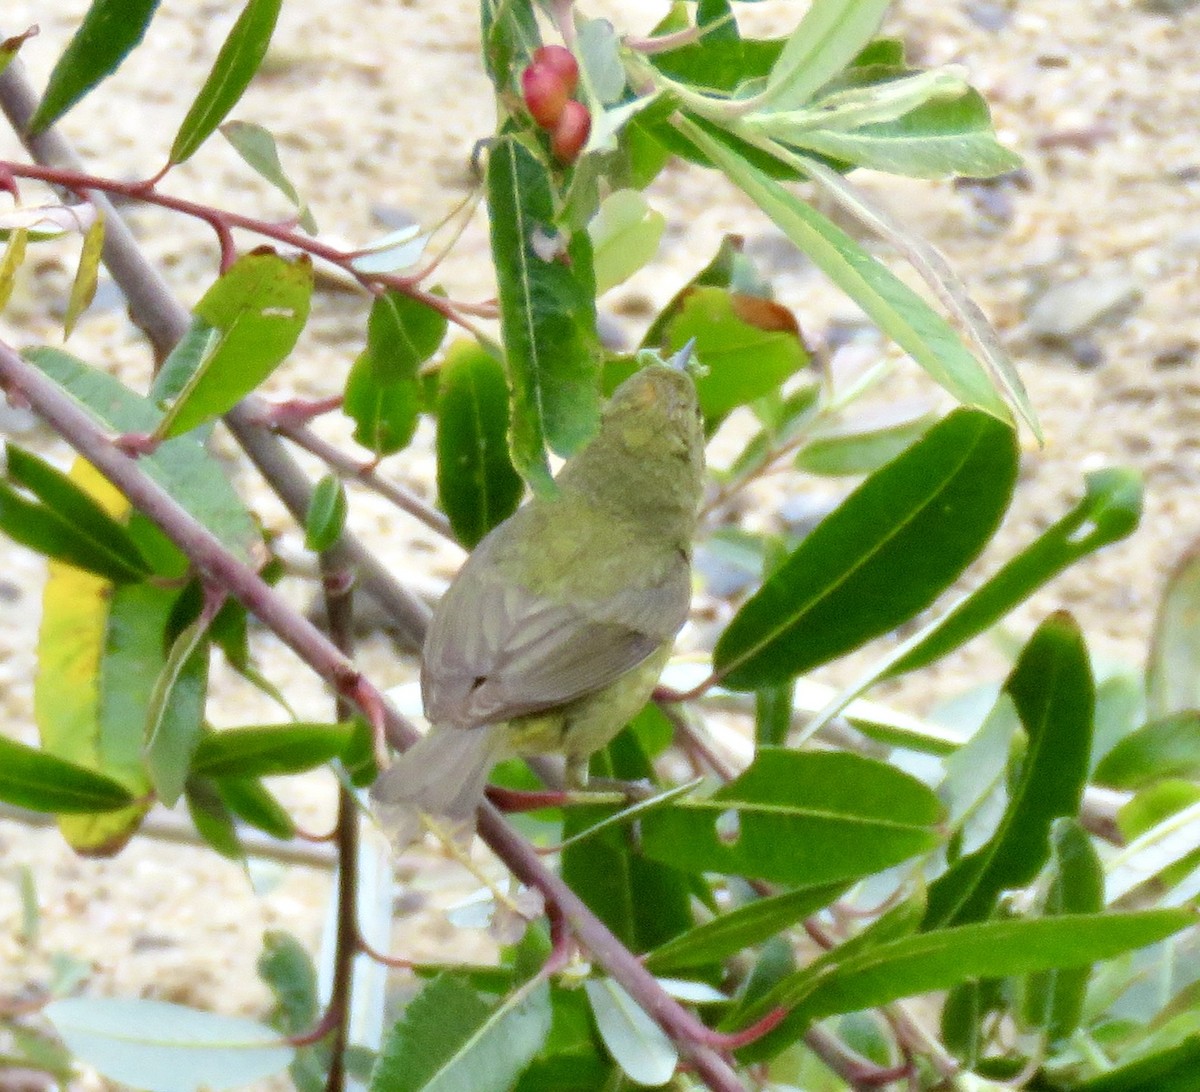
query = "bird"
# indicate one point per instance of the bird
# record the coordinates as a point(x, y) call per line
point(554, 632)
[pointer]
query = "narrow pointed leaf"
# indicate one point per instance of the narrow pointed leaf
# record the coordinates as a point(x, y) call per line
point(944, 958)
point(547, 313)
point(36, 780)
point(83, 288)
point(109, 31)
point(166, 1047)
point(897, 309)
point(175, 715)
point(234, 68)
point(1172, 681)
point(884, 554)
point(270, 750)
point(257, 147)
point(450, 1040)
point(745, 927)
point(477, 484)
point(252, 803)
point(212, 819)
point(259, 306)
point(803, 818)
point(1054, 694)
point(14, 255)
point(831, 34)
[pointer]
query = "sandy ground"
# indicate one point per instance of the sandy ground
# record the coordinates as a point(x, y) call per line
point(376, 106)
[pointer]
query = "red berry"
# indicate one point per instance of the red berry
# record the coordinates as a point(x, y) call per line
point(571, 132)
point(559, 59)
point(545, 94)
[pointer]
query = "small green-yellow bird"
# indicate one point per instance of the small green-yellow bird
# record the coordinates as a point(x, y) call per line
point(556, 629)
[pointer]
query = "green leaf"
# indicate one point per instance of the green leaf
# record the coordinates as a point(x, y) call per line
point(234, 68)
point(175, 715)
point(163, 1047)
point(251, 802)
point(270, 750)
point(69, 525)
point(941, 959)
point(1053, 1000)
point(384, 414)
point(748, 345)
point(938, 139)
point(802, 818)
point(638, 1045)
point(83, 288)
point(259, 306)
point(212, 819)
point(14, 256)
point(508, 31)
point(893, 306)
point(1172, 681)
point(326, 514)
point(477, 485)
point(109, 31)
point(450, 1040)
point(33, 779)
point(1053, 691)
point(286, 967)
point(1164, 748)
point(828, 38)
point(1109, 511)
point(257, 147)
point(625, 236)
point(883, 555)
point(744, 927)
point(547, 313)
point(402, 333)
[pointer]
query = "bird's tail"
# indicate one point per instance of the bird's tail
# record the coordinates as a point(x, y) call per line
point(441, 778)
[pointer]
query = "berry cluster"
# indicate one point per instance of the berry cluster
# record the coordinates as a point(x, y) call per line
point(548, 84)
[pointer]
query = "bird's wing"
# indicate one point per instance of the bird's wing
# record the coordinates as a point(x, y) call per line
point(496, 650)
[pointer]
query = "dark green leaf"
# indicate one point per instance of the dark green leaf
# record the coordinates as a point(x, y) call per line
point(77, 516)
point(234, 68)
point(1053, 691)
point(509, 31)
point(33, 779)
point(257, 147)
point(802, 818)
point(1053, 1000)
point(886, 553)
point(547, 313)
point(450, 1039)
point(109, 31)
point(943, 958)
point(477, 485)
point(384, 414)
point(258, 306)
point(326, 514)
point(212, 819)
point(895, 307)
point(175, 715)
point(1164, 748)
point(1109, 510)
point(285, 966)
point(744, 927)
point(270, 750)
point(402, 333)
point(251, 802)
